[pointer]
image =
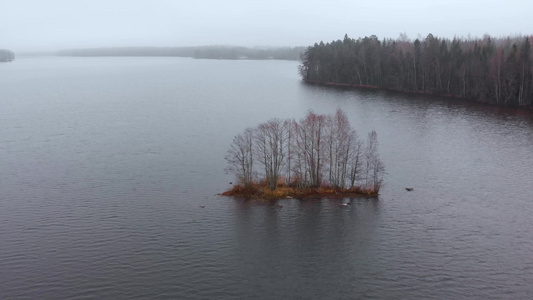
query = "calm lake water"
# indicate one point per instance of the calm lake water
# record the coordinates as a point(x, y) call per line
point(105, 163)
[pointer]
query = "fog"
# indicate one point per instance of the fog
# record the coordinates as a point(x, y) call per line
point(36, 25)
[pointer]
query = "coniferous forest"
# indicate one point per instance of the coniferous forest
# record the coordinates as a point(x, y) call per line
point(491, 70)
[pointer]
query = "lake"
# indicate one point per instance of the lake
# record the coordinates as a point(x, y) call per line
point(105, 163)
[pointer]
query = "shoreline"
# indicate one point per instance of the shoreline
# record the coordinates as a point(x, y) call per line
point(261, 192)
point(375, 87)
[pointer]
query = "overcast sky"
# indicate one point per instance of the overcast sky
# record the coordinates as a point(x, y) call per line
point(58, 24)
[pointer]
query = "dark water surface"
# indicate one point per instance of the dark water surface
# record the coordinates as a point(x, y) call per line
point(106, 161)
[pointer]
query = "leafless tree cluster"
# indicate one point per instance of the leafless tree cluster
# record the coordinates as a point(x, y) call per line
point(318, 150)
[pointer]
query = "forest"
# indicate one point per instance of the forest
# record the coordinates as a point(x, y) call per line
point(491, 70)
point(321, 155)
point(6, 55)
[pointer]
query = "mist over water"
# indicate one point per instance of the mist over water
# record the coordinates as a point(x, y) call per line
point(106, 163)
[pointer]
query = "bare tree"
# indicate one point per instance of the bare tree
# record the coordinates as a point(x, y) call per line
point(298, 149)
point(271, 148)
point(374, 168)
point(240, 157)
point(291, 138)
point(310, 136)
point(338, 140)
point(355, 159)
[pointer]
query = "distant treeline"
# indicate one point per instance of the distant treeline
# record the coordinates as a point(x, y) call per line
point(6, 55)
point(489, 70)
point(212, 52)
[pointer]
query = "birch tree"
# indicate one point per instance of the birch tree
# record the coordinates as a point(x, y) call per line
point(240, 157)
point(374, 169)
point(271, 148)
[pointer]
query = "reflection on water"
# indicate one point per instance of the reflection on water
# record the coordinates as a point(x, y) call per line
point(305, 244)
point(106, 163)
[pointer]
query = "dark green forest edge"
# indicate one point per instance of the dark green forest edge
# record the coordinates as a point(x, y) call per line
point(497, 71)
point(199, 52)
point(6, 55)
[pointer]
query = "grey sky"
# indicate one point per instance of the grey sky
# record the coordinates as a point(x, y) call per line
point(56, 24)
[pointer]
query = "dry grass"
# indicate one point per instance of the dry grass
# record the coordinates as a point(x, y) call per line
point(262, 192)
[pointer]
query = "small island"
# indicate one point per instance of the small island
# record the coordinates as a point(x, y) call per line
point(6, 55)
point(319, 156)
